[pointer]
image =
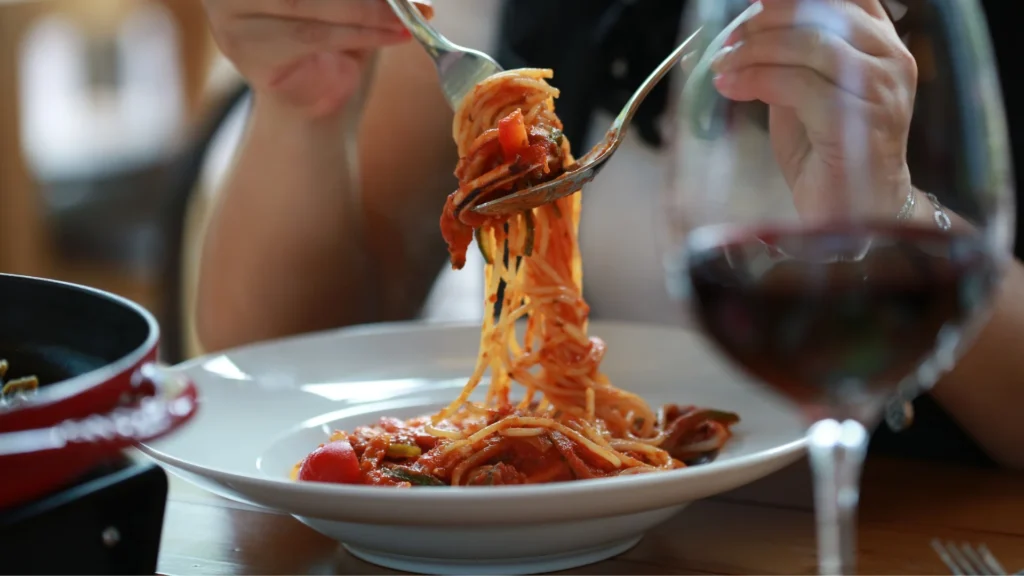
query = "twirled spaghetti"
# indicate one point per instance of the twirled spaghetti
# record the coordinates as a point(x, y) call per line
point(571, 422)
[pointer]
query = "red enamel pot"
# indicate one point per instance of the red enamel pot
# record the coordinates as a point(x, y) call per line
point(100, 392)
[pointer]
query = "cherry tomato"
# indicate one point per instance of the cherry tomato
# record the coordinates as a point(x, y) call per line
point(333, 462)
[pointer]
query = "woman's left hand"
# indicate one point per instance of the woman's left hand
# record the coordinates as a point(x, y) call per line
point(840, 85)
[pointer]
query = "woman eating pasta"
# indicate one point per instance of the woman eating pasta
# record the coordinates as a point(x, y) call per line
point(288, 198)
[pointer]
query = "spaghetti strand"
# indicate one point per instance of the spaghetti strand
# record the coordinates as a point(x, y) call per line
point(572, 422)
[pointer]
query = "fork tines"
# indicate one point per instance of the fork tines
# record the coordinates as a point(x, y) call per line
point(966, 559)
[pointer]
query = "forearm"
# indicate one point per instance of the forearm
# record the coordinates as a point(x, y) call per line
point(985, 392)
point(283, 252)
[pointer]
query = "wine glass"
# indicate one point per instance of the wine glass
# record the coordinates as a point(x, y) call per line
point(840, 208)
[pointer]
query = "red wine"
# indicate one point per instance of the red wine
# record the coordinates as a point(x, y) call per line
point(835, 316)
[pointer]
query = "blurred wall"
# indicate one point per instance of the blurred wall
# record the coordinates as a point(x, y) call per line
point(96, 97)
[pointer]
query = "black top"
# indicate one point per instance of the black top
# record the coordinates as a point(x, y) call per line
point(612, 46)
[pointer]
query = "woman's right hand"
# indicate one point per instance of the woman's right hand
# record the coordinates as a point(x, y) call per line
point(840, 85)
point(308, 55)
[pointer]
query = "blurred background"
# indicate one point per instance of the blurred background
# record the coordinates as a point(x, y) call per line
point(118, 119)
point(102, 104)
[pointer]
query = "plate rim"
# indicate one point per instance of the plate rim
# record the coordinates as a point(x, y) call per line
point(465, 495)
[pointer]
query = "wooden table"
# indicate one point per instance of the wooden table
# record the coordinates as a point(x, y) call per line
point(764, 528)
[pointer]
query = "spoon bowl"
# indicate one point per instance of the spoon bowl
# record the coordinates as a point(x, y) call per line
point(588, 166)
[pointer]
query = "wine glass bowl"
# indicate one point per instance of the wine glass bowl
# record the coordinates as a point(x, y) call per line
point(840, 208)
point(835, 316)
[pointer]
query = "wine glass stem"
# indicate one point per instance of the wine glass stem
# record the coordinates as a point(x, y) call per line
point(837, 451)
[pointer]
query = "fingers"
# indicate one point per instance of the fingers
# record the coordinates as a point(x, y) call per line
point(840, 88)
point(262, 48)
point(872, 7)
point(274, 32)
point(362, 13)
point(847, 19)
point(309, 54)
point(291, 37)
point(822, 107)
point(826, 38)
point(810, 95)
point(823, 52)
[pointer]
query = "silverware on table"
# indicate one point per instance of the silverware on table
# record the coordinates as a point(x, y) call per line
point(967, 559)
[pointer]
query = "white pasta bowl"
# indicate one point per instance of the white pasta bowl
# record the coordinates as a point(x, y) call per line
point(264, 407)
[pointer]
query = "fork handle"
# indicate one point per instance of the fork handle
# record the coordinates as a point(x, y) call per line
point(435, 44)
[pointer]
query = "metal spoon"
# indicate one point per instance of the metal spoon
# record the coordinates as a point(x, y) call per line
point(590, 164)
point(459, 68)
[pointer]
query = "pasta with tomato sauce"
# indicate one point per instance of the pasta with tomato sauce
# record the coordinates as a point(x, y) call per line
point(571, 422)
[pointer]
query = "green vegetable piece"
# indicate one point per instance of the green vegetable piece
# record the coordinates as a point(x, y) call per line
point(478, 234)
point(404, 451)
point(414, 478)
point(528, 248)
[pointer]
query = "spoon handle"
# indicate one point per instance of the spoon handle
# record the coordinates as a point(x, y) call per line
point(633, 104)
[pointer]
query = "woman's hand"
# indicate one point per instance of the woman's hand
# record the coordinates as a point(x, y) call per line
point(840, 85)
point(308, 55)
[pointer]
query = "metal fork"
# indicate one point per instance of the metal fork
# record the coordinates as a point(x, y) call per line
point(966, 559)
point(588, 166)
point(459, 68)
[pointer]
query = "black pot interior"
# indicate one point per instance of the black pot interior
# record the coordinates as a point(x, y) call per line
point(57, 331)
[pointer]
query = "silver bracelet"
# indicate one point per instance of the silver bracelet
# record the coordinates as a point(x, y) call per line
point(908, 206)
point(907, 210)
point(940, 216)
point(899, 410)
